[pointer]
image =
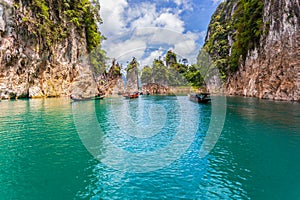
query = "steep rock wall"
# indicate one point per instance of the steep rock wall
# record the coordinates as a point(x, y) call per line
point(29, 68)
point(255, 45)
point(272, 70)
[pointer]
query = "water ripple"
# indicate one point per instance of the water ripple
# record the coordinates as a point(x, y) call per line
point(257, 154)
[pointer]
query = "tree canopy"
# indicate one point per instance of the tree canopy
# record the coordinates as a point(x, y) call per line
point(171, 73)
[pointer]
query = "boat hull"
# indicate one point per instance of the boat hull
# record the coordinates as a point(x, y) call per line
point(131, 96)
point(87, 99)
point(198, 99)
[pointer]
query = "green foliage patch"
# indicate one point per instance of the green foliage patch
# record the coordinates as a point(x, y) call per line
point(248, 23)
point(235, 28)
point(54, 19)
point(171, 73)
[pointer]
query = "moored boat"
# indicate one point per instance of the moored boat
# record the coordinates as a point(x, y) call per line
point(79, 98)
point(131, 95)
point(200, 98)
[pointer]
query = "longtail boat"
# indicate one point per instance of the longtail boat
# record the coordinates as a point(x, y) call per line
point(131, 95)
point(200, 98)
point(77, 98)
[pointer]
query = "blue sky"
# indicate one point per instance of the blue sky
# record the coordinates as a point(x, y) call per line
point(147, 29)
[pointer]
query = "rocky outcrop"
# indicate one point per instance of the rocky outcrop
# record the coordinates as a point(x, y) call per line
point(261, 59)
point(115, 87)
point(111, 83)
point(272, 70)
point(159, 89)
point(155, 88)
point(132, 80)
point(30, 68)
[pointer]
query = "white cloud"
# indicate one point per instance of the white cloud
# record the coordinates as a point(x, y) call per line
point(133, 29)
point(124, 50)
point(185, 47)
point(170, 21)
point(217, 1)
point(112, 13)
point(145, 17)
point(194, 36)
point(158, 36)
point(186, 5)
point(178, 2)
point(153, 55)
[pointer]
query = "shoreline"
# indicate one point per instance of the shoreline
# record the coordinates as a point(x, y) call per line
point(169, 94)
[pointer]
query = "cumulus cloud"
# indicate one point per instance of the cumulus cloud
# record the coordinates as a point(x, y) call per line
point(185, 47)
point(170, 21)
point(153, 55)
point(134, 29)
point(141, 15)
point(126, 49)
point(112, 13)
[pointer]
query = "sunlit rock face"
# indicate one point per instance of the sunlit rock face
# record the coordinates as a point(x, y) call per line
point(29, 68)
point(156, 88)
point(271, 70)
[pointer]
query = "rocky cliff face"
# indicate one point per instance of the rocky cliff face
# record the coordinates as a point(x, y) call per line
point(111, 83)
point(31, 66)
point(156, 89)
point(271, 69)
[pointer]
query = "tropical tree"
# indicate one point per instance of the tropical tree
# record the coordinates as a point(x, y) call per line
point(171, 58)
point(193, 76)
point(147, 75)
point(98, 60)
point(133, 65)
point(132, 75)
point(160, 72)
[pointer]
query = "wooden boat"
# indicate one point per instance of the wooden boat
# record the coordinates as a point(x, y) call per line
point(131, 95)
point(74, 98)
point(98, 98)
point(200, 98)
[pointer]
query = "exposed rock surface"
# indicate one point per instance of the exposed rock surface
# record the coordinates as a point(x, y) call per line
point(112, 83)
point(155, 88)
point(273, 70)
point(160, 89)
point(115, 87)
point(132, 82)
point(28, 69)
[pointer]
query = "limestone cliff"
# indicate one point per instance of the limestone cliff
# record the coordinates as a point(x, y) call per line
point(270, 66)
point(111, 83)
point(44, 50)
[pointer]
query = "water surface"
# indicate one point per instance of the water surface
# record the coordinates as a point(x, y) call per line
point(256, 156)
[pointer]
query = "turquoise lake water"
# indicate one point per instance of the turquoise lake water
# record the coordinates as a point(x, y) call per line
point(45, 154)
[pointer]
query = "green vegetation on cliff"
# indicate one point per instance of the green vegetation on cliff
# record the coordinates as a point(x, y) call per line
point(248, 23)
point(133, 65)
point(53, 20)
point(235, 28)
point(171, 72)
point(147, 75)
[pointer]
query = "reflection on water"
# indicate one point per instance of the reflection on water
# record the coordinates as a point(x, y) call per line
point(256, 157)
